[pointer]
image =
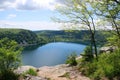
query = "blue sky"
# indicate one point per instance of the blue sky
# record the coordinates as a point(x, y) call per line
point(37, 15)
point(31, 14)
point(28, 14)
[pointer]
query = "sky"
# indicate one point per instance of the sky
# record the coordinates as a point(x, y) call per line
point(29, 14)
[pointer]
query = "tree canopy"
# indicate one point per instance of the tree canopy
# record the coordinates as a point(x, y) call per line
point(21, 36)
point(10, 53)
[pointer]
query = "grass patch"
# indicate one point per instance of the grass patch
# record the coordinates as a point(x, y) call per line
point(31, 71)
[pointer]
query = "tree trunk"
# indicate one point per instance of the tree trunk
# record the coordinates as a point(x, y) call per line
point(94, 44)
point(117, 29)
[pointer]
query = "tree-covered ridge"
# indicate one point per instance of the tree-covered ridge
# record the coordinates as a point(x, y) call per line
point(20, 35)
point(25, 37)
point(82, 36)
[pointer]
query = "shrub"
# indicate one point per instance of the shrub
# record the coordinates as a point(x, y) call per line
point(9, 75)
point(32, 72)
point(10, 59)
point(71, 60)
point(87, 55)
point(107, 66)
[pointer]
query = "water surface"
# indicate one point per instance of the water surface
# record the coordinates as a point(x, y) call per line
point(50, 54)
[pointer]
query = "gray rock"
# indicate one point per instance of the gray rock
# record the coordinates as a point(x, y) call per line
point(107, 49)
point(29, 77)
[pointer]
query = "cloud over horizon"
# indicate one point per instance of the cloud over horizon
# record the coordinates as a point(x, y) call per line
point(31, 25)
point(29, 14)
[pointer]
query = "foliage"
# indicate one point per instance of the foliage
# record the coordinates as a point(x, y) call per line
point(76, 36)
point(21, 36)
point(79, 13)
point(109, 10)
point(9, 54)
point(71, 60)
point(108, 65)
point(9, 75)
point(43, 37)
point(114, 41)
point(31, 71)
point(10, 58)
point(87, 55)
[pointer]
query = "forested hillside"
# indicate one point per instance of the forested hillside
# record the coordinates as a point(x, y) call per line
point(76, 36)
point(20, 35)
point(45, 36)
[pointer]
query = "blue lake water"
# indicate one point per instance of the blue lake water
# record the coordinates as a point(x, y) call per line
point(51, 54)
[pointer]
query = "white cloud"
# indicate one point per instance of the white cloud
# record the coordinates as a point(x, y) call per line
point(11, 16)
point(33, 25)
point(29, 4)
point(1, 9)
point(6, 4)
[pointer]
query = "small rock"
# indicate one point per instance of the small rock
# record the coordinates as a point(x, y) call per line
point(29, 77)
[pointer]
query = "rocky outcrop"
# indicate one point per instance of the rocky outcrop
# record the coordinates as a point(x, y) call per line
point(107, 49)
point(58, 72)
point(61, 72)
point(23, 69)
point(30, 77)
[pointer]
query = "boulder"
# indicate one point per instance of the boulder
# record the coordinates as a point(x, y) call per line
point(107, 49)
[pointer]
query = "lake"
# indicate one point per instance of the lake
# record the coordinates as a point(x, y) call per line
point(50, 54)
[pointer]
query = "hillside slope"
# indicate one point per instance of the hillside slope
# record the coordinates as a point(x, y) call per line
point(76, 36)
point(20, 35)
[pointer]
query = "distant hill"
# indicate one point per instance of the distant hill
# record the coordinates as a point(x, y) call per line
point(25, 37)
point(20, 35)
point(76, 36)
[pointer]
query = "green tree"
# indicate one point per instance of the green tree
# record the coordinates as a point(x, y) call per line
point(10, 57)
point(79, 12)
point(109, 10)
point(71, 60)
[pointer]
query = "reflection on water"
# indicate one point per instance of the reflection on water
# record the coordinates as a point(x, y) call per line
point(50, 54)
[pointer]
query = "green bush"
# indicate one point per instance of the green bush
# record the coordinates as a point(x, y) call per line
point(87, 67)
point(71, 60)
point(107, 66)
point(10, 59)
point(10, 55)
point(31, 71)
point(87, 55)
point(9, 75)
